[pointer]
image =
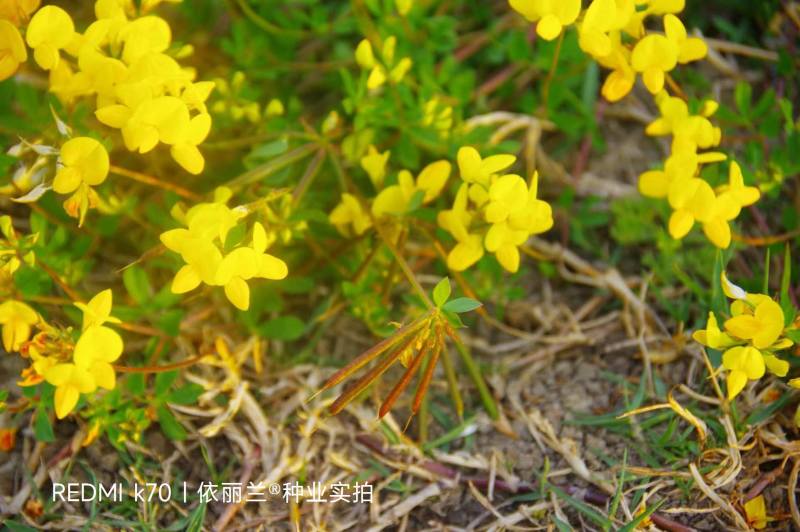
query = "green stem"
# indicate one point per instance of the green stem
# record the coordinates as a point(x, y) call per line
point(475, 373)
point(548, 81)
point(406, 269)
point(452, 383)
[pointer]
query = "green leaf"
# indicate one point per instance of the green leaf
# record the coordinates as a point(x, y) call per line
point(134, 382)
point(283, 328)
point(743, 96)
point(762, 414)
point(137, 284)
point(717, 295)
point(786, 279)
point(170, 321)
point(186, 394)
point(633, 525)
point(441, 292)
point(172, 429)
point(793, 335)
point(461, 305)
point(14, 526)
point(164, 380)
point(42, 428)
point(197, 518)
point(581, 506)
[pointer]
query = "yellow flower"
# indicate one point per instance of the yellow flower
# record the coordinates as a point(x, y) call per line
point(16, 318)
point(85, 161)
point(201, 256)
point(479, 172)
point(469, 248)
point(97, 347)
point(51, 29)
point(98, 310)
point(694, 200)
point(756, 511)
point(689, 48)
point(739, 193)
point(515, 213)
point(653, 56)
point(600, 18)
point(397, 199)
point(244, 263)
point(12, 49)
point(552, 15)
point(690, 131)
point(762, 328)
point(149, 34)
point(348, 213)
point(374, 164)
point(199, 246)
point(712, 336)
point(742, 363)
point(70, 380)
point(620, 81)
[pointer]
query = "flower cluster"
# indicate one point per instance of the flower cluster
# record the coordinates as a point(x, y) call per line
point(692, 198)
point(492, 211)
point(388, 68)
point(393, 201)
point(212, 259)
point(80, 368)
point(613, 32)
point(121, 61)
point(750, 338)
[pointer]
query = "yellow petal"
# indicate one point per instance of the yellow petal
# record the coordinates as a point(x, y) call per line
point(238, 293)
point(508, 257)
point(549, 27)
point(756, 511)
point(364, 56)
point(736, 381)
point(465, 254)
point(743, 326)
point(433, 178)
point(97, 343)
point(189, 157)
point(654, 184)
point(718, 232)
point(272, 268)
point(65, 399)
point(103, 374)
point(185, 280)
point(680, 223)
